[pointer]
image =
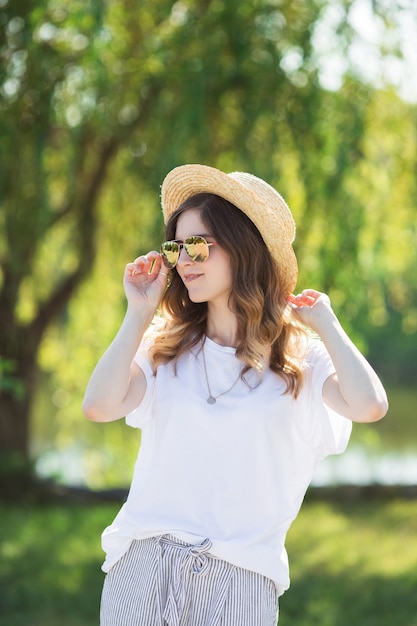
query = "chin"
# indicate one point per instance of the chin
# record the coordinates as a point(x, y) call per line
point(197, 299)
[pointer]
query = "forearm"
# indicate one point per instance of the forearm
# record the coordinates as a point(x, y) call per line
point(110, 381)
point(356, 391)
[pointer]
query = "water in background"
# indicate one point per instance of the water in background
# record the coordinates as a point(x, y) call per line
point(383, 453)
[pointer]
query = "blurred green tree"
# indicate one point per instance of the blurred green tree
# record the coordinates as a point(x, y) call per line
point(79, 83)
point(100, 99)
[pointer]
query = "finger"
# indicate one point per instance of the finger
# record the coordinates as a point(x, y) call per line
point(311, 293)
point(137, 267)
point(156, 267)
point(291, 298)
point(132, 270)
point(163, 271)
point(306, 300)
point(142, 264)
point(301, 300)
point(146, 262)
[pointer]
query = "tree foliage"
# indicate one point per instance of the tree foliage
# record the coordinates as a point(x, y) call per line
point(100, 99)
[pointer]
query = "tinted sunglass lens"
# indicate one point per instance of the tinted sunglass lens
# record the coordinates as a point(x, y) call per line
point(196, 248)
point(170, 253)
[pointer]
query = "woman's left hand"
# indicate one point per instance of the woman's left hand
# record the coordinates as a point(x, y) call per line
point(312, 308)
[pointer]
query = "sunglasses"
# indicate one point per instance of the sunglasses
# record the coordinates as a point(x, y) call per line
point(196, 247)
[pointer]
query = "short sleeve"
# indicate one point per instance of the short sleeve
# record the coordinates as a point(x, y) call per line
point(143, 413)
point(324, 429)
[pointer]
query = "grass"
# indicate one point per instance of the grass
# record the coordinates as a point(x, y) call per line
point(50, 561)
point(351, 563)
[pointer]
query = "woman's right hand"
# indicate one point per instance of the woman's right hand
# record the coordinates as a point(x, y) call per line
point(145, 281)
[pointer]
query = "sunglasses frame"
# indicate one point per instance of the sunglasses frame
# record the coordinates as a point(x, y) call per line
point(184, 244)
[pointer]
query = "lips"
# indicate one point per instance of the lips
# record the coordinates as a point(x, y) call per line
point(190, 277)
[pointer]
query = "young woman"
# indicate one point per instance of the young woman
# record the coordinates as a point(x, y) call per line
point(237, 402)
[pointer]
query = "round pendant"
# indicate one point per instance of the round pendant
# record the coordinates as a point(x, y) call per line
point(211, 400)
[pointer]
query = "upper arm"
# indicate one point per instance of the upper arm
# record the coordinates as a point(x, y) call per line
point(136, 391)
point(333, 398)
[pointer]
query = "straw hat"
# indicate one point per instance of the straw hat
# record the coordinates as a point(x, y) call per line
point(258, 200)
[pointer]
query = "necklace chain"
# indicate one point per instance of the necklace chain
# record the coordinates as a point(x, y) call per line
point(212, 399)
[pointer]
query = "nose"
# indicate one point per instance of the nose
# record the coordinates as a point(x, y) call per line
point(183, 258)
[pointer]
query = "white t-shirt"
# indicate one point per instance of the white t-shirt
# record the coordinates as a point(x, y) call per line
point(235, 471)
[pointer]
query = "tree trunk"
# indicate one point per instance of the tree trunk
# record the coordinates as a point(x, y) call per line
point(16, 395)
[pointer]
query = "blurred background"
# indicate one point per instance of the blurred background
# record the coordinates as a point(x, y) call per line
point(99, 99)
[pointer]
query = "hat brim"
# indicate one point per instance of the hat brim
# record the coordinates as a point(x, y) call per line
point(261, 203)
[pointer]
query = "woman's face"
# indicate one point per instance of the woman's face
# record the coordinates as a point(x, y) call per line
point(211, 280)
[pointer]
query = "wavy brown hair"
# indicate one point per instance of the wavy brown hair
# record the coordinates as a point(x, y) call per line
point(265, 334)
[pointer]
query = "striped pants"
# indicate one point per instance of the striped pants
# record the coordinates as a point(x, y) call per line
point(164, 582)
